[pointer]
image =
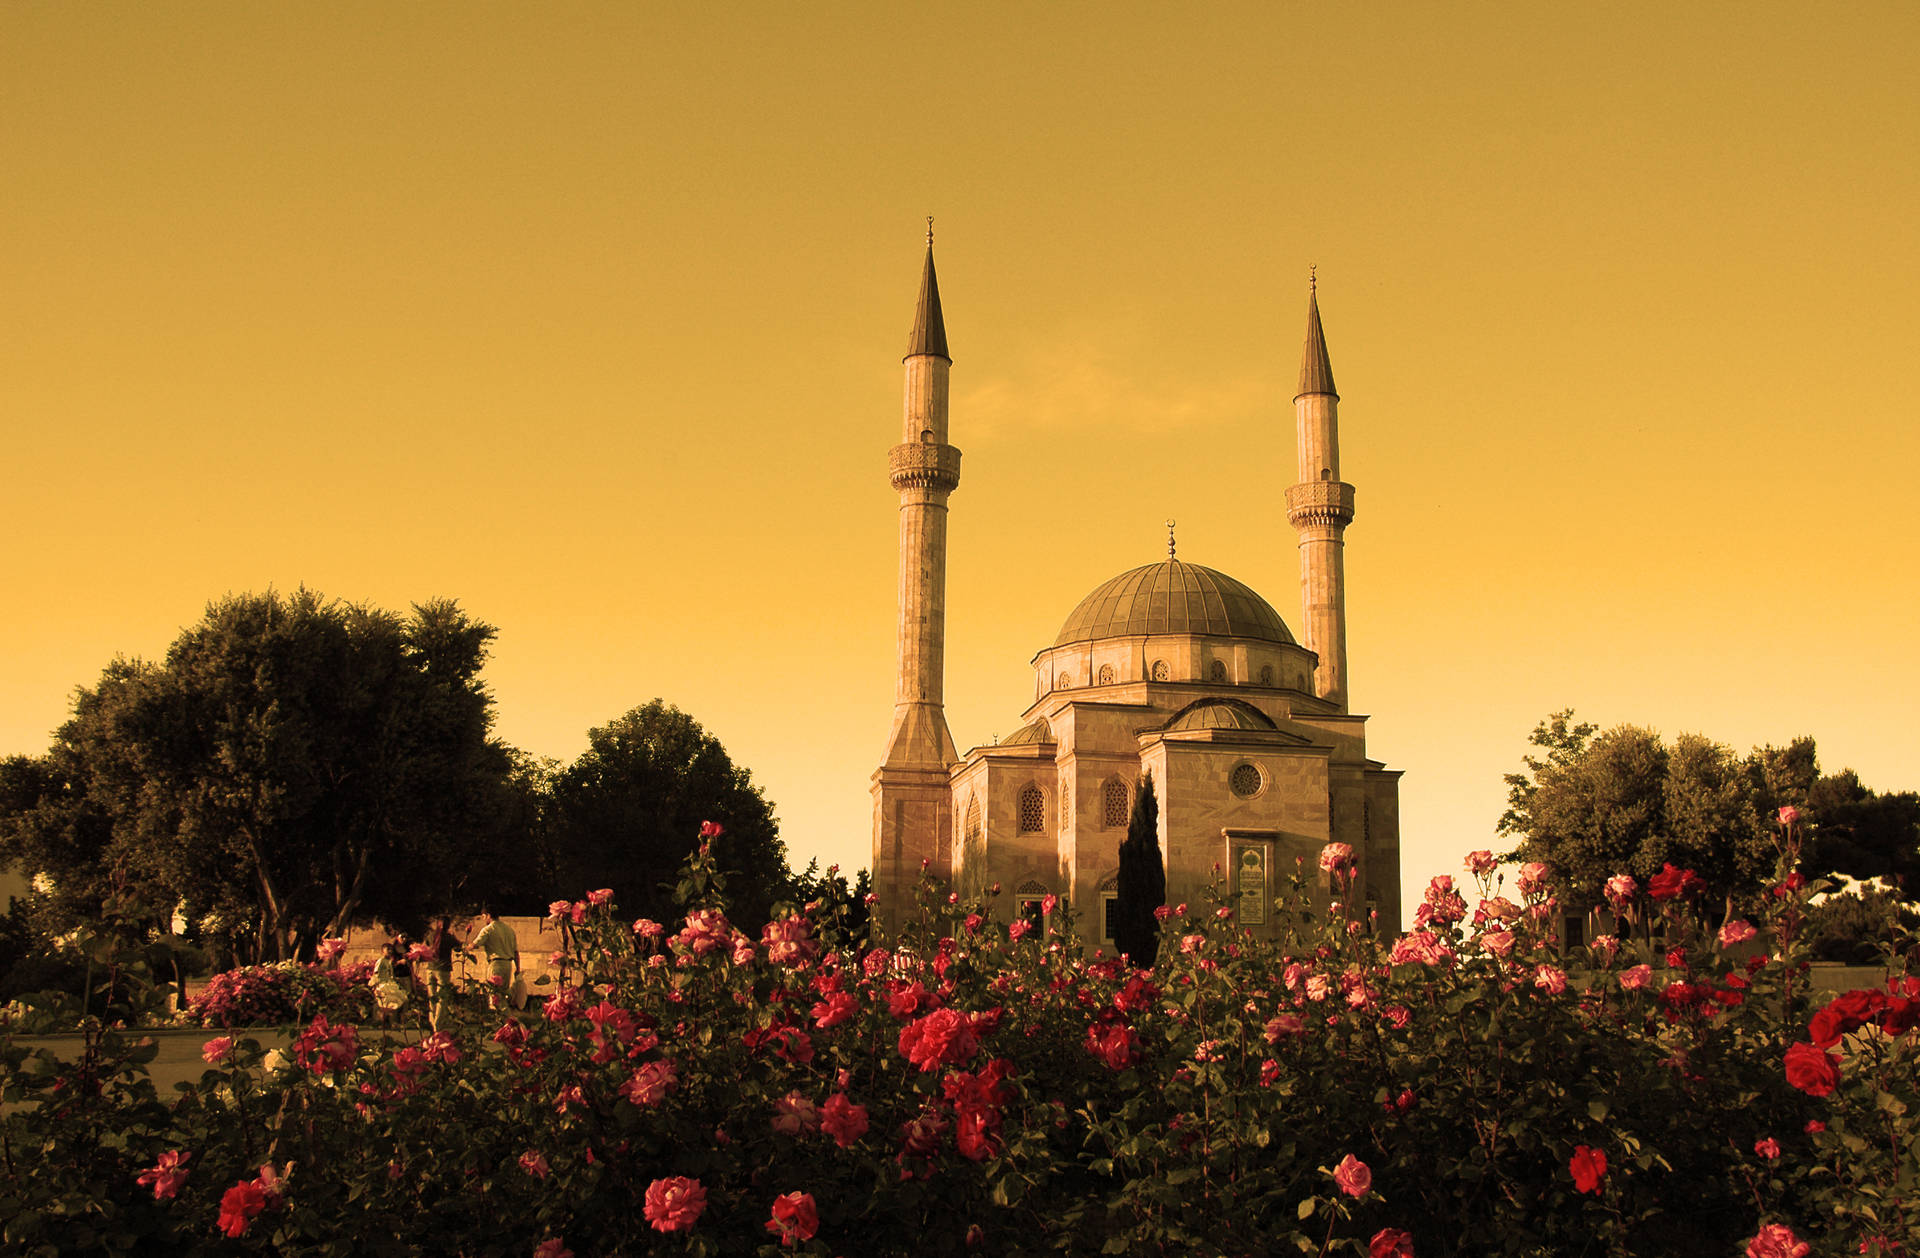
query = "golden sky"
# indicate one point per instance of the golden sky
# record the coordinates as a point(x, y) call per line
point(590, 316)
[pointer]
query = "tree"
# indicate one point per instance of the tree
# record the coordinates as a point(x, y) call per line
point(1596, 804)
point(1142, 882)
point(295, 764)
point(628, 813)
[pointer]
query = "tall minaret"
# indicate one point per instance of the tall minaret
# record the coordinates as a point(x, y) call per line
point(912, 819)
point(1320, 507)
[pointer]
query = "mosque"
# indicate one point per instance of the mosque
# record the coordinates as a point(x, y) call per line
point(1170, 669)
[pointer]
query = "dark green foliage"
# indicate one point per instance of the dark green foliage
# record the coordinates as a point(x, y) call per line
point(1857, 926)
point(1142, 883)
point(627, 813)
point(294, 764)
point(1595, 804)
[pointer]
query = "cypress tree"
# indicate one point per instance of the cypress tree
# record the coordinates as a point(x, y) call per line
point(1142, 884)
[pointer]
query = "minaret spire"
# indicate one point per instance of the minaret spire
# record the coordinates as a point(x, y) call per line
point(1320, 507)
point(913, 814)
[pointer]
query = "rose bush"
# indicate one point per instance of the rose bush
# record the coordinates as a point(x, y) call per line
point(1481, 1090)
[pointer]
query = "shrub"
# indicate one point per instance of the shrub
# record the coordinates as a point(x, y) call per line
point(281, 993)
point(1465, 1089)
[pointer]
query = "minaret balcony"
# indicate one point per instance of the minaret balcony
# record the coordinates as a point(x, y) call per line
point(923, 465)
point(1320, 502)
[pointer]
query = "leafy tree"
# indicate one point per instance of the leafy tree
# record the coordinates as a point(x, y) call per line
point(628, 813)
point(1595, 804)
point(1142, 881)
point(294, 764)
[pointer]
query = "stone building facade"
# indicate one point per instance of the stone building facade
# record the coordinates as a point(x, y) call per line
point(1171, 669)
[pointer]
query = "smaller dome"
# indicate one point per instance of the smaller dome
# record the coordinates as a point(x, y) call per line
point(1219, 714)
point(1027, 735)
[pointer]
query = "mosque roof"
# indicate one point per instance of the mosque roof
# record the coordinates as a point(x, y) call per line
point(1036, 732)
point(1173, 597)
point(1316, 369)
point(1220, 714)
point(929, 335)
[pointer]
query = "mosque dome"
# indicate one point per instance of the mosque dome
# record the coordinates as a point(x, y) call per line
point(1220, 714)
point(1173, 597)
point(1029, 735)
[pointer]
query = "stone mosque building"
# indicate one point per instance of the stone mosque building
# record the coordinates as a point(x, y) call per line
point(1170, 669)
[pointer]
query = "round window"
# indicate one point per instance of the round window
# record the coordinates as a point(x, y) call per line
point(1245, 781)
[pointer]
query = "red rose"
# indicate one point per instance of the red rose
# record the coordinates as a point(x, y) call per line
point(843, 1120)
point(794, 1218)
point(1589, 1167)
point(1671, 883)
point(1114, 1044)
point(1847, 1012)
point(1390, 1242)
point(1813, 1070)
point(239, 1205)
point(674, 1204)
point(1352, 1176)
point(942, 1038)
point(1776, 1240)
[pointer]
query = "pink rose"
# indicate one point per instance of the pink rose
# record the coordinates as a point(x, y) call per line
point(1620, 891)
point(217, 1049)
point(1736, 931)
point(1285, 1026)
point(603, 896)
point(1480, 864)
point(1768, 1148)
point(650, 1083)
point(794, 1115)
point(1533, 877)
point(1637, 977)
point(1789, 815)
point(794, 1218)
point(843, 1120)
point(711, 830)
point(1335, 857)
point(1498, 942)
point(1550, 980)
point(166, 1175)
point(1776, 1240)
point(1352, 1176)
point(674, 1204)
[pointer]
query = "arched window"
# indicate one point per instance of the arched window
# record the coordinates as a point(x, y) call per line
point(1266, 675)
point(1033, 810)
point(1160, 672)
point(1106, 674)
point(1114, 803)
point(1063, 682)
point(970, 829)
point(1219, 670)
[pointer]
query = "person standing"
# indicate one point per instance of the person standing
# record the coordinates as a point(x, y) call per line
point(502, 949)
point(442, 944)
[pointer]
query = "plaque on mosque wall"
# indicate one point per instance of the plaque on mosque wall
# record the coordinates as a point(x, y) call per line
point(1250, 882)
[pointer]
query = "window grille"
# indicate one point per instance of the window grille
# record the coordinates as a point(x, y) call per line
point(1160, 670)
point(1115, 802)
point(1245, 781)
point(1033, 810)
point(1219, 672)
point(1106, 674)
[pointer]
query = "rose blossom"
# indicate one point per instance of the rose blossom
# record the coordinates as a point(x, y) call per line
point(1789, 815)
point(1335, 857)
point(941, 1038)
point(843, 1120)
point(1813, 1070)
point(1768, 1148)
point(1533, 877)
point(1776, 1240)
point(1620, 891)
point(552, 1247)
point(216, 1049)
point(674, 1204)
point(1550, 980)
point(1636, 977)
point(1114, 1044)
point(534, 1163)
point(166, 1175)
point(794, 1218)
point(1353, 1176)
point(1285, 1025)
point(1736, 931)
point(1671, 883)
point(1482, 863)
point(1390, 1242)
point(795, 1115)
point(1498, 942)
point(651, 1083)
point(1589, 1167)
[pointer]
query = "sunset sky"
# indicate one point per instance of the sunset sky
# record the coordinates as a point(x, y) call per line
point(590, 316)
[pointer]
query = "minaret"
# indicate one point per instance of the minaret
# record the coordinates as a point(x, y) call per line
point(912, 820)
point(1320, 507)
